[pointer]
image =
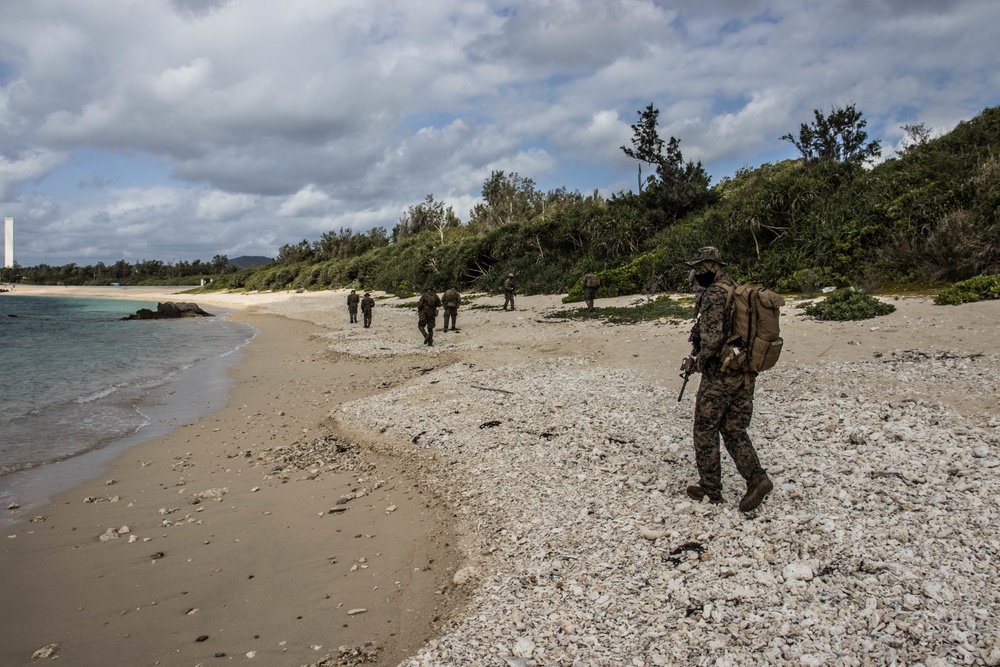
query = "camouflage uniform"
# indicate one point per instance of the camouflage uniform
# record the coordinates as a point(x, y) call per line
point(508, 292)
point(724, 404)
point(367, 303)
point(450, 301)
point(590, 284)
point(352, 306)
point(427, 310)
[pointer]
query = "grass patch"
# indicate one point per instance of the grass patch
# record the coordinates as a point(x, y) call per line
point(848, 304)
point(663, 307)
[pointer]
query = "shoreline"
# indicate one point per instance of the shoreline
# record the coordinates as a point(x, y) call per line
point(121, 600)
point(194, 393)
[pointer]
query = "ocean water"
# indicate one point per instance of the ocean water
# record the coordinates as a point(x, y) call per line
point(76, 379)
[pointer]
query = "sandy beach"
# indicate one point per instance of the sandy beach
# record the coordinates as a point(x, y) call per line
point(514, 496)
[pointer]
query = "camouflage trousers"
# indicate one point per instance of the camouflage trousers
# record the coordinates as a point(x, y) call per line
point(724, 406)
point(450, 314)
point(588, 296)
point(426, 325)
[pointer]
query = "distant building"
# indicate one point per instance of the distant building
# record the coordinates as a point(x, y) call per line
point(8, 243)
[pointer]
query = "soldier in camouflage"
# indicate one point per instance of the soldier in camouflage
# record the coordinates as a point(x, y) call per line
point(591, 282)
point(508, 292)
point(725, 399)
point(367, 304)
point(352, 306)
point(450, 301)
point(427, 310)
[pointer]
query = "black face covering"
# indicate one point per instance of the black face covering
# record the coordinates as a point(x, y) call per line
point(705, 279)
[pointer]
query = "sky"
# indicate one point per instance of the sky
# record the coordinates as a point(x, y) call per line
point(183, 129)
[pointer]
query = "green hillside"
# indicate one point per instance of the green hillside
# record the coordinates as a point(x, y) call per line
point(927, 217)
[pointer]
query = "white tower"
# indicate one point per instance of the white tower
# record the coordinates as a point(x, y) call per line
point(8, 243)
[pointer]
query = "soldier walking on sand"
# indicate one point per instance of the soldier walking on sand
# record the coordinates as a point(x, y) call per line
point(590, 284)
point(450, 301)
point(508, 292)
point(367, 303)
point(725, 398)
point(352, 306)
point(427, 310)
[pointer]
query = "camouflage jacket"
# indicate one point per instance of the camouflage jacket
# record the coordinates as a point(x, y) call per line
point(710, 321)
point(452, 298)
point(352, 300)
point(508, 285)
point(429, 302)
point(367, 304)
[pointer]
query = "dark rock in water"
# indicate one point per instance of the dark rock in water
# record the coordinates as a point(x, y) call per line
point(169, 310)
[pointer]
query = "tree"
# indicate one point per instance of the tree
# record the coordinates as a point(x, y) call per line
point(428, 214)
point(682, 186)
point(507, 199)
point(838, 137)
point(292, 254)
point(917, 134)
point(646, 142)
point(220, 263)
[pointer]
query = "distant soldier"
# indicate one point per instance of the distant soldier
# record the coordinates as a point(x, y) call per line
point(508, 292)
point(352, 306)
point(367, 303)
point(450, 301)
point(427, 310)
point(590, 284)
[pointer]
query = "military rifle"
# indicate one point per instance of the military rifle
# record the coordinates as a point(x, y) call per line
point(688, 366)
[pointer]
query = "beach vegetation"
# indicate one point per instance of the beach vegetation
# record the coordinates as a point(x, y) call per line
point(978, 288)
point(848, 304)
point(660, 307)
point(926, 216)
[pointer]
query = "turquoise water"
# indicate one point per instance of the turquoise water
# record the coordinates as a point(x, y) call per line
point(75, 377)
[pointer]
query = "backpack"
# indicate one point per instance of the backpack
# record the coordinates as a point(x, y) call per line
point(753, 330)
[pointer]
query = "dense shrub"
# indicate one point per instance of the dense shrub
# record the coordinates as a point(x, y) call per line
point(979, 288)
point(849, 304)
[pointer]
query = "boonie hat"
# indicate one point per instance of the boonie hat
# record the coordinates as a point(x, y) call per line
point(708, 253)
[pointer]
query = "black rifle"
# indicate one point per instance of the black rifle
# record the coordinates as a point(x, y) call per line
point(687, 368)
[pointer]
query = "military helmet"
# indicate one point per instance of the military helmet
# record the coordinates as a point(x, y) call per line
point(707, 254)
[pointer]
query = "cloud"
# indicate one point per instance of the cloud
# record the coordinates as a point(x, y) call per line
point(309, 201)
point(278, 121)
point(26, 167)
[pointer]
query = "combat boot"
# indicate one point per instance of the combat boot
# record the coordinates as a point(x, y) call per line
point(695, 492)
point(757, 490)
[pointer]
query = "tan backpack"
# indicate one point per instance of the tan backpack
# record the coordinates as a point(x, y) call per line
point(753, 328)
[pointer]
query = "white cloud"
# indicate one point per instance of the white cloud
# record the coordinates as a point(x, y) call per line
point(309, 201)
point(215, 205)
point(27, 167)
point(279, 121)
